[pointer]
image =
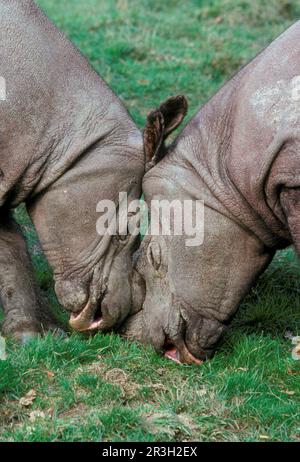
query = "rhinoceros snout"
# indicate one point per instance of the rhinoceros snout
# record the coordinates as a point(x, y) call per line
point(72, 295)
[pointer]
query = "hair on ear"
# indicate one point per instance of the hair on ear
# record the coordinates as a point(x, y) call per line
point(153, 138)
point(160, 123)
point(174, 110)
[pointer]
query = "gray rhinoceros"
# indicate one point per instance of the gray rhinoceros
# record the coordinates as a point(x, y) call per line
point(240, 154)
point(66, 142)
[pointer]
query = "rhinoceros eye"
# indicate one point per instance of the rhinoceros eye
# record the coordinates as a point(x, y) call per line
point(154, 255)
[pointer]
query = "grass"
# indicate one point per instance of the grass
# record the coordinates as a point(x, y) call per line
point(105, 388)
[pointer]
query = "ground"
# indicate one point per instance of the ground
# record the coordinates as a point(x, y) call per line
point(107, 389)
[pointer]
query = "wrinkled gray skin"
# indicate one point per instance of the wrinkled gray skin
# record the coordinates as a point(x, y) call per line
point(241, 155)
point(66, 142)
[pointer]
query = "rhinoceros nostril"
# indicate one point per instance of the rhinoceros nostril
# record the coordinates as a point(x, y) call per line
point(98, 313)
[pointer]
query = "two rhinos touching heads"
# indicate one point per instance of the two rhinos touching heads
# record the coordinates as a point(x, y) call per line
point(67, 143)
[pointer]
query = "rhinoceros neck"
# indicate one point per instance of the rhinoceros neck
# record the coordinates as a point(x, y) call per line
point(201, 163)
point(88, 124)
point(57, 108)
point(102, 126)
point(230, 149)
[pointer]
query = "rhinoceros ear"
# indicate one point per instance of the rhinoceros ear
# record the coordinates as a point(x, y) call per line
point(153, 138)
point(174, 110)
point(160, 123)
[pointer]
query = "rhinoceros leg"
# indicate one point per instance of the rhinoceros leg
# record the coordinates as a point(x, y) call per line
point(25, 314)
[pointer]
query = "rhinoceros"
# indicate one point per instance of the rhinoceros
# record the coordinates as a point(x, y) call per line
point(66, 142)
point(240, 154)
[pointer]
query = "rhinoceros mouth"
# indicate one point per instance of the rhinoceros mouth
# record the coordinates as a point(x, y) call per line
point(89, 319)
point(179, 354)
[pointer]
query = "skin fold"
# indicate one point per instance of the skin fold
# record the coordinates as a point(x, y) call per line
point(240, 155)
point(66, 142)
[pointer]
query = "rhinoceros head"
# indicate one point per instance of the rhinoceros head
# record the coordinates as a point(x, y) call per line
point(191, 291)
point(93, 267)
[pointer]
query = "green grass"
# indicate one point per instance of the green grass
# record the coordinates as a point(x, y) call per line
point(107, 389)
